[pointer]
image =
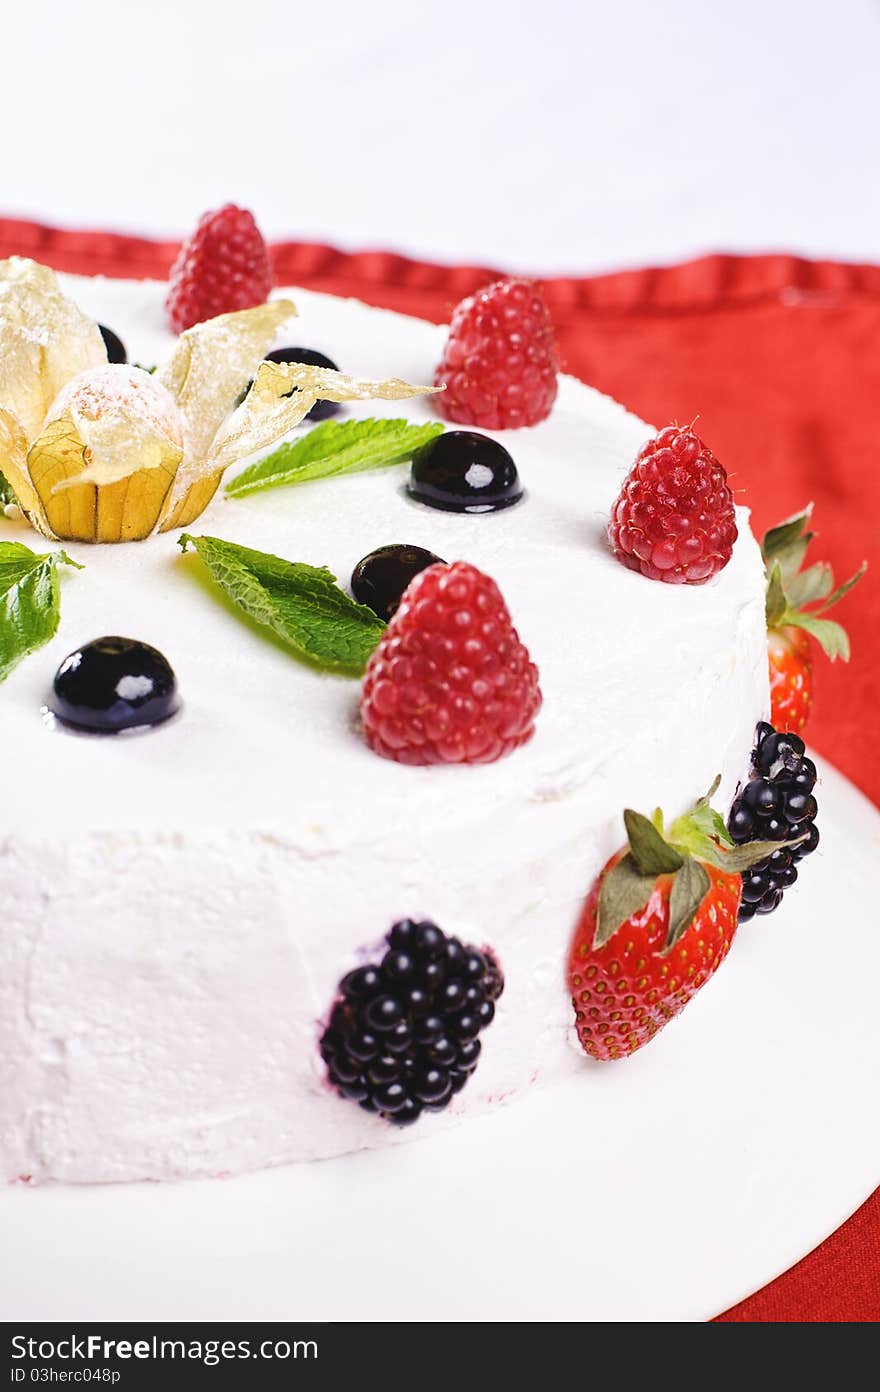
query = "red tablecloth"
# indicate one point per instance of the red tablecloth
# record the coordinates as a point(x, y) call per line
point(779, 357)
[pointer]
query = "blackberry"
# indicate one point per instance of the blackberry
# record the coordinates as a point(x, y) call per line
point(776, 804)
point(402, 1037)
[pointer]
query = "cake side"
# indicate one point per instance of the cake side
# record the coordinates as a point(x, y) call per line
point(180, 918)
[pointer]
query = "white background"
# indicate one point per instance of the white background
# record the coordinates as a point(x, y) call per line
point(542, 135)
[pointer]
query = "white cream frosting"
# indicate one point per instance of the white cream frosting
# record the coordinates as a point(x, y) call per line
point(178, 905)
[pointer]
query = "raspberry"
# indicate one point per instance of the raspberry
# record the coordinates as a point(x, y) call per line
point(222, 267)
point(402, 1035)
point(499, 365)
point(450, 681)
point(674, 518)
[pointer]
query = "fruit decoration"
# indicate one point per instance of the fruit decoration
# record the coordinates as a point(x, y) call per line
point(463, 471)
point(674, 518)
point(223, 267)
point(96, 451)
point(403, 1034)
point(379, 579)
point(114, 684)
point(322, 410)
point(776, 803)
point(499, 365)
point(656, 925)
point(113, 343)
point(450, 682)
point(797, 601)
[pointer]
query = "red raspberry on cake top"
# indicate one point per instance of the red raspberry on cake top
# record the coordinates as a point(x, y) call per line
point(499, 364)
point(223, 266)
point(450, 682)
point(674, 518)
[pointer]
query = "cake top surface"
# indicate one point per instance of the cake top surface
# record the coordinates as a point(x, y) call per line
point(266, 743)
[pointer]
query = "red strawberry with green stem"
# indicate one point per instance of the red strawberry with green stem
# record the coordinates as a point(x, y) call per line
point(656, 925)
point(797, 600)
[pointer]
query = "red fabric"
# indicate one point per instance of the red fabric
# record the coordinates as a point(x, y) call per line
point(778, 357)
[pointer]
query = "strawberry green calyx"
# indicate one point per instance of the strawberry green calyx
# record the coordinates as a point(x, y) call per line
point(695, 840)
point(790, 590)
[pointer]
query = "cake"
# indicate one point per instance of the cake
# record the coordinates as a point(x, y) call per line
point(180, 903)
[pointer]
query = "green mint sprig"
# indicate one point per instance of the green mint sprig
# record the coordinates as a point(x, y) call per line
point(334, 448)
point(302, 605)
point(30, 601)
point(6, 494)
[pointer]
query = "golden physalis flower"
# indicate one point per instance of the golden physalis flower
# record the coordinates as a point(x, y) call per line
point(98, 451)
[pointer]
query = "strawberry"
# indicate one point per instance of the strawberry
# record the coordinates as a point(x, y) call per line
point(791, 624)
point(657, 923)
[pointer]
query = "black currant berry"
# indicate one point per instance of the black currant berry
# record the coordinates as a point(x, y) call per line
point(380, 579)
point(462, 471)
point(402, 1037)
point(321, 410)
point(113, 343)
point(114, 684)
point(776, 804)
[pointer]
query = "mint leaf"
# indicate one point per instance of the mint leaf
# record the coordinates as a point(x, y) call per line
point(302, 604)
point(30, 603)
point(6, 494)
point(336, 447)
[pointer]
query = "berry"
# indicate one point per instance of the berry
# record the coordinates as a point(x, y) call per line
point(113, 343)
point(674, 518)
point(499, 364)
point(223, 266)
point(397, 1060)
point(113, 684)
point(776, 803)
point(461, 471)
point(312, 358)
point(791, 676)
point(796, 600)
point(450, 682)
point(632, 970)
point(380, 579)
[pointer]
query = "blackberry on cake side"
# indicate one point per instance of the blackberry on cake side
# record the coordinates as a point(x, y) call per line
point(403, 1035)
point(776, 804)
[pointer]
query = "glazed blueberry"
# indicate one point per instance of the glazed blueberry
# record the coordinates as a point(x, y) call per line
point(321, 410)
point(398, 1048)
point(114, 684)
point(380, 579)
point(113, 343)
point(463, 471)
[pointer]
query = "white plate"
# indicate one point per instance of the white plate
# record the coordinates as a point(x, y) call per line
point(672, 1186)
